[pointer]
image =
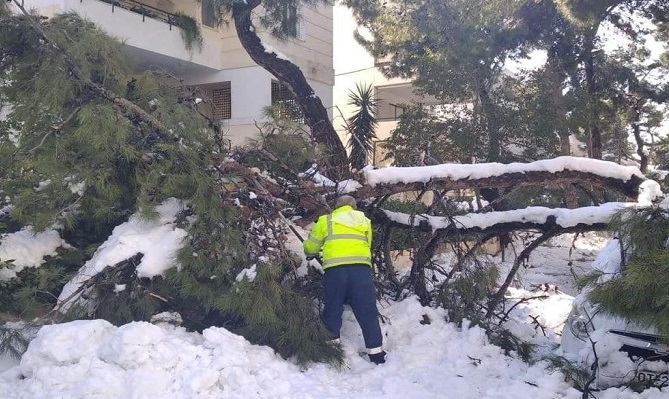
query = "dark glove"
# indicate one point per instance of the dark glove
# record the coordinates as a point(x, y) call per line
point(377, 358)
point(311, 257)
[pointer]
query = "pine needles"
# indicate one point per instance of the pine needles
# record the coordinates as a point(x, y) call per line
point(640, 293)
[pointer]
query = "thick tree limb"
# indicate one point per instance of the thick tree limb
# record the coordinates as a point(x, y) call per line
point(531, 218)
point(315, 114)
point(629, 188)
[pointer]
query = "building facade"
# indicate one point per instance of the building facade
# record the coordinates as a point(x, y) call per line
point(237, 86)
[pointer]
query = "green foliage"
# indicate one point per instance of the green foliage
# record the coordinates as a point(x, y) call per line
point(286, 141)
point(281, 18)
point(190, 31)
point(14, 339)
point(361, 126)
point(211, 259)
point(510, 343)
point(35, 290)
point(419, 135)
point(464, 292)
point(457, 51)
point(577, 376)
point(86, 143)
point(640, 292)
point(642, 231)
point(89, 158)
point(275, 315)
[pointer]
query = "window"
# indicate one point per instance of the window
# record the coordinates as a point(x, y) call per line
point(209, 17)
point(287, 104)
point(392, 101)
point(290, 18)
point(222, 99)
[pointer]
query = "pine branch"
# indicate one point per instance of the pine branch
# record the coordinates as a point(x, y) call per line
point(130, 109)
point(56, 312)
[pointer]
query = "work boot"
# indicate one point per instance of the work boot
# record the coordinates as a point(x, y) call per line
point(377, 358)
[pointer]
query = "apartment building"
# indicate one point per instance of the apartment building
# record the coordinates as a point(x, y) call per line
point(238, 87)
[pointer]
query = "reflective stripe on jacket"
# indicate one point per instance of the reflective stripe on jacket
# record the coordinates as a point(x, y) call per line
point(345, 236)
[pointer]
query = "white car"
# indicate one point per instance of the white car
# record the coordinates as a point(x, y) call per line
point(616, 350)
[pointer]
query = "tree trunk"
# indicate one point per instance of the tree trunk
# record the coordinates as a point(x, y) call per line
point(570, 194)
point(636, 129)
point(315, 114)
point(594, 131)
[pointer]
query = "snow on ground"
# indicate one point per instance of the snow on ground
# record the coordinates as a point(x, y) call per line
point(93, 359)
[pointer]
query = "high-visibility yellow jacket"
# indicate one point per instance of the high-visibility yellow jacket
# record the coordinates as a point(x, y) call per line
point(345, 236)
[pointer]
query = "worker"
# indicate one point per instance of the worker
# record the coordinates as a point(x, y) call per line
point(345, 239)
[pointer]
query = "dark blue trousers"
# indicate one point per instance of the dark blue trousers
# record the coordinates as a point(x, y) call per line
point(352, 284)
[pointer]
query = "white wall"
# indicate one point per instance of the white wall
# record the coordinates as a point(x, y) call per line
point(129, 26)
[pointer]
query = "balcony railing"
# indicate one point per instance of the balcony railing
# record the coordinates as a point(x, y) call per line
point(145, 11)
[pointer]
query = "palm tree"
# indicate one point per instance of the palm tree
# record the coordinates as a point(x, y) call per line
point(362, 124)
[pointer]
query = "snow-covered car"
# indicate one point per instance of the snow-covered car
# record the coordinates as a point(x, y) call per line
point(618, 350)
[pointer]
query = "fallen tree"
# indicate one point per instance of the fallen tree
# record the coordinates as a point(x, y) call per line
point(233, 205)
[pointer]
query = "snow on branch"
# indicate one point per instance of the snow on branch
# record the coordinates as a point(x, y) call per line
point(530, 218)
point(393, 180)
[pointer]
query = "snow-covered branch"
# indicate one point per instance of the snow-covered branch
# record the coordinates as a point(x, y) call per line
point(393, 180)
point(530, 218)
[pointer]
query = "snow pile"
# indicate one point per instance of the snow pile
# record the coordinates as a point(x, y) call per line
point(426, 359)
point(539, 321)
point(608, 261)
point(85, 359)
point(27, 249)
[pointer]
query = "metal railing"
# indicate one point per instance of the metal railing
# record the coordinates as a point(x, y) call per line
point(145, 11)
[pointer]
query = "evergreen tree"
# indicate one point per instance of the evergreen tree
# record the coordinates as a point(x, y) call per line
point(86, 143)
point(456, 51)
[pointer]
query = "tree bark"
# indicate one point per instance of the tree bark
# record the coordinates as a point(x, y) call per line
point(629, 188)
point(457, 230)
point(594, 130)
point(636, 129)
point(315, 114)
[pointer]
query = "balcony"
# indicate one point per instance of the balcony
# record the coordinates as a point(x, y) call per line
point(151, 34)
point(146, 10)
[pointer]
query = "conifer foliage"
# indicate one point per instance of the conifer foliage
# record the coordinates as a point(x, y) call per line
point(640, 292)
point(85, 142)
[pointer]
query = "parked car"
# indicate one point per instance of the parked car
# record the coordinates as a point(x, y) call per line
point(620, 350)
